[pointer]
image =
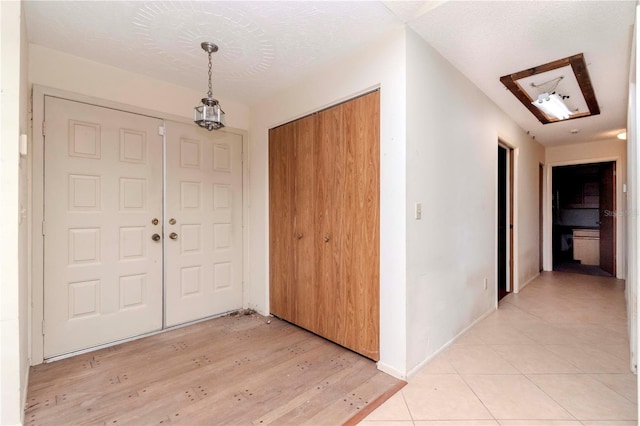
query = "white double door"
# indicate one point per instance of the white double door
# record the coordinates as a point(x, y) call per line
point(135, 241)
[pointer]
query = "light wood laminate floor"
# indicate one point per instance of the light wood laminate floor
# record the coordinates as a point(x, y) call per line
point(234, 370)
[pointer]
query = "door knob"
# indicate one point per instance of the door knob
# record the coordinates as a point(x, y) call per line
point(298, 235)
point(172, 221)
point(326, 238)
point(155, 237)
point(173, 236)
point(155, 221)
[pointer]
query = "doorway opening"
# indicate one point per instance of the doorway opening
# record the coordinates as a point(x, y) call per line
point(540, 216)
point(505, 221)
point(584, 223)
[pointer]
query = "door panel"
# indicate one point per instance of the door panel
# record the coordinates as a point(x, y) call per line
point(203, 223)
point(304, 224)
point(103, 187)
point(329, 299)
point(282, 236)
point(360, 252)
point(607, 207)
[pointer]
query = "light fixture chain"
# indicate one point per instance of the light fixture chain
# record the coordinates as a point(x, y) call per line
point(210, 93)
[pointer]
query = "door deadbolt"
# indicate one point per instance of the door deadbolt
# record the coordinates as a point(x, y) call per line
point(155, 221)
point(172, 221)
point(155, 237)
point(173, 236)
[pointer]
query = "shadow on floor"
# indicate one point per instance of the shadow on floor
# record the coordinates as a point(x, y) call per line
point(575, 267)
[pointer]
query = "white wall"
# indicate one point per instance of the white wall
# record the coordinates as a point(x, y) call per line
point(590, 152)
point(439, 141)
point(631, 287)
point(381, 64)
point(452, 142)
point(14, 362)
point(52, 68)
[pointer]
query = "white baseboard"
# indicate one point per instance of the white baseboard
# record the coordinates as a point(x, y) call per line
point(520, 287)
point(390, 370)
point(418, 367)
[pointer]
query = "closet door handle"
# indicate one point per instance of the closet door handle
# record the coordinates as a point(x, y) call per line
point(173, 236)
point(326, 238)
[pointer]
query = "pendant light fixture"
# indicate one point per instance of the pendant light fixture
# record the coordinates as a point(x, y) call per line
point(209, 115)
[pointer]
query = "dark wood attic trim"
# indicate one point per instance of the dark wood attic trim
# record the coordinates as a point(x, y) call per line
point(579, 68)
point(519, 93)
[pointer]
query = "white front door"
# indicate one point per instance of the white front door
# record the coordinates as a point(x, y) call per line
point(103, 190)
point(203, 223)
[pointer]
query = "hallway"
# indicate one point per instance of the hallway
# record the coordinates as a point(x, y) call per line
point(555, 354)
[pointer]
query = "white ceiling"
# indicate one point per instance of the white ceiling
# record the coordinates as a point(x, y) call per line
point(266, 46)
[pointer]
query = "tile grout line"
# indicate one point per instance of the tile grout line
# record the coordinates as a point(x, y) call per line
point(592, 375)
point(406, 404)
point(479, 399)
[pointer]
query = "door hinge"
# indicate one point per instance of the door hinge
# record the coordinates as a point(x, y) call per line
point(43, 327)
point(44, 128)
point(161, 130)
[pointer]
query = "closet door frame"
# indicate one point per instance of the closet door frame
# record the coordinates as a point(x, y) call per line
point(35, 211)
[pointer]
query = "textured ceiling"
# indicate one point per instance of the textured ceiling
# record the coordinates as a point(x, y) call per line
point(486, 40)
point(266, 46)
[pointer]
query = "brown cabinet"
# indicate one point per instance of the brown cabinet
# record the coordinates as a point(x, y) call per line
point(586, 246)
point(324, 223)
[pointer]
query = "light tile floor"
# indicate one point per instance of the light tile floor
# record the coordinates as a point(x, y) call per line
point(556, 354)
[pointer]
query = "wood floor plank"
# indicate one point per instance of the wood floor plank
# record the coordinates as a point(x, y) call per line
point(234, 370)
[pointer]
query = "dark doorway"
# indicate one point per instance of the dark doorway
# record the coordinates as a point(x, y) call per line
point(505, 215)
point(540, 216)
point(584, 218)
point(607, 216)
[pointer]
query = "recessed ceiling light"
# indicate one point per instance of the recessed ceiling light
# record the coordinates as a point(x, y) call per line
point(622, 135)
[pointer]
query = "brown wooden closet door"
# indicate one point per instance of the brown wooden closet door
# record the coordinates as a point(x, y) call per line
point(359, 221)
point(334, 257)
point(281, 222)
point(330, 292)
point(291, 221)
point(304, 224)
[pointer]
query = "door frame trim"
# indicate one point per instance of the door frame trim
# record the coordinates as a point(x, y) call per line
point(36, 195)
point(548, 212)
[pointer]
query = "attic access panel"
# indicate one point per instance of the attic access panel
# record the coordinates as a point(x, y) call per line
point(575, 84)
